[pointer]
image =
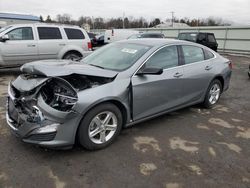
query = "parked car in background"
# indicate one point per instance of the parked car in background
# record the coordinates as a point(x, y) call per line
point(206, 39)
point(249, 72)
point(54, 103)
point(100, 39)
point(24, 43)
point(92, 37)
point(146, 35)
point(113, 35)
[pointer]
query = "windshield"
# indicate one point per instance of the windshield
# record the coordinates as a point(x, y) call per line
point(135, 36)
point(116, 56)
point(4, 28)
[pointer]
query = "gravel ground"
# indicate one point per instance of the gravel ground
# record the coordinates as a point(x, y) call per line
point(193, 147)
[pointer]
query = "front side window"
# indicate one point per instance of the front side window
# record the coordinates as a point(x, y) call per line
point(49, 33)
point(166, 57)
point(23, 33)
point(74, 33)
point(192, 54)
point(116, 56)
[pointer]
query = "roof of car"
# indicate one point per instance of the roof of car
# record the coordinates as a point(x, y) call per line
point(155, 41)
point(195, 32)
point(46, 24)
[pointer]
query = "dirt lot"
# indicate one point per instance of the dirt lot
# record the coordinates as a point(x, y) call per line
point(193, 147)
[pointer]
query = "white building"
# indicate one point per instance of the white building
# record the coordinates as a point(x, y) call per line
point(9, 19)
point(169, 24)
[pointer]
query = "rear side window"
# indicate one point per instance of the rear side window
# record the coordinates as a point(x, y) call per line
point(192, 54)
point(208, 54)
point(201, 37)
point(23, 33)
point(211, 38)
point(49, 33)
point(74, 33)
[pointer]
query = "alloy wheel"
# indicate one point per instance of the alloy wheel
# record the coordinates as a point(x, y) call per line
point(102, 127)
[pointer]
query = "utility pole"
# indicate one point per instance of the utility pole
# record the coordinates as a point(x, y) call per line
point(172, 12)
point(123, 24)
point(93, 22)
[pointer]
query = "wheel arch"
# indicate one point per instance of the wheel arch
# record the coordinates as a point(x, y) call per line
point(221, 79)
point(121, 106)
point(73, 52)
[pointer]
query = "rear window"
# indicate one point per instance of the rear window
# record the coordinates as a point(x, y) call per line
point(74, 33)
point(188, 36)
point(49, 33)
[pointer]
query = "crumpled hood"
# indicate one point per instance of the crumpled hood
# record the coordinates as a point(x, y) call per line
point(54, 68)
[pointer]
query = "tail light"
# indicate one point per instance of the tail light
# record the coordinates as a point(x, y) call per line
point(230, 64)
point(112, 32)
point(89, 46)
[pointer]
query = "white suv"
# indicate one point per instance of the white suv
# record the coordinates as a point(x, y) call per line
point(24, 43)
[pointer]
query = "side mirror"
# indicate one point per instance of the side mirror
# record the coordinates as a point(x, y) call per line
point(150, 70)
point(4, 38)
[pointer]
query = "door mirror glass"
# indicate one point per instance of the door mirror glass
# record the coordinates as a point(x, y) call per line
point(150, 70)
point(4, 38)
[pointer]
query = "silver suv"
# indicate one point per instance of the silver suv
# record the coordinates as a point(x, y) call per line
point(24, 43)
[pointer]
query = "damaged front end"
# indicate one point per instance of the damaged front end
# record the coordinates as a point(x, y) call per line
point(40, 107)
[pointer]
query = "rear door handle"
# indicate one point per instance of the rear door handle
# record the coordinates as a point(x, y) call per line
point(178, 75)
point(31, 45)
point(62, 44)
point(208, 67)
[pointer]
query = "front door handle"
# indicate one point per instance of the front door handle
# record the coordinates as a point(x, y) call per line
point(208, 67)
point(31, 45)
point(178, 75)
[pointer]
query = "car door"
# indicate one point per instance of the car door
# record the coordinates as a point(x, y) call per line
point(197, 73)
point(20, 48)
point(50, 42)
point(153, 94)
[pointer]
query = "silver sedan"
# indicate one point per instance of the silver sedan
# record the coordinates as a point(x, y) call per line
point(54, 103)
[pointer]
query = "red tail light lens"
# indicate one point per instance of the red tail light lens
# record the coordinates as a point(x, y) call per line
point(230, 64)
point(89, 46)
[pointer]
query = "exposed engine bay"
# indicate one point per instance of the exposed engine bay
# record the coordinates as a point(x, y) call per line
point(60, 93)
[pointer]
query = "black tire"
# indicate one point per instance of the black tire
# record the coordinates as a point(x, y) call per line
point(207, 103)
point(83, 131)
point(73, 56)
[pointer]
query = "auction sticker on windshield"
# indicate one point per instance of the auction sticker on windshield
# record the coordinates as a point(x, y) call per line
point(127, 50)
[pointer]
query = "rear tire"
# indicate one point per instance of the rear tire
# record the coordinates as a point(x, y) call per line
point(213, 94)
point(100, 126)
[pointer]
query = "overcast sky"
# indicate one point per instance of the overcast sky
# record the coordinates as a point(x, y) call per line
point(232, 10)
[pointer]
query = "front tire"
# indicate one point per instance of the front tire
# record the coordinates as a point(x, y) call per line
point(100, 126)
point(213, 94)
point(72, 56)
